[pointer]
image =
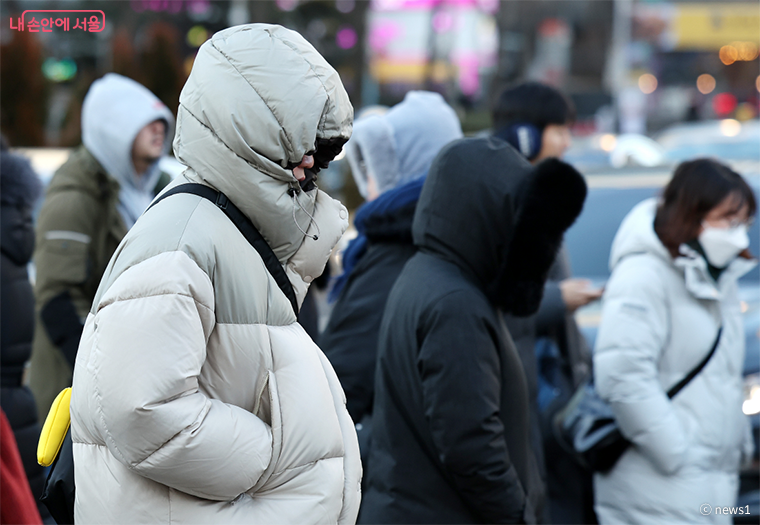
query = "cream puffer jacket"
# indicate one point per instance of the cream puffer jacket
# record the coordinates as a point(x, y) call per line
point(660, 318)
point(197, 398)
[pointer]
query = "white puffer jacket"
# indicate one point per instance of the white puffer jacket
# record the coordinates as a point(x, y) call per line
point(660, 318)
point(197, 398)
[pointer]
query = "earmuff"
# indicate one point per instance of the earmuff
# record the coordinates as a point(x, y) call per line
point(524, 137)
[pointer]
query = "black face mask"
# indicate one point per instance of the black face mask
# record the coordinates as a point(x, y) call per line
point(325, 151)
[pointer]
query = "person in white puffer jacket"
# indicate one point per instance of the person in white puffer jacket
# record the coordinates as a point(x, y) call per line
point(197, 397)
point(675, 266)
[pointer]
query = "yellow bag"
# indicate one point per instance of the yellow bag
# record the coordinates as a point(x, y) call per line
point(55, 428)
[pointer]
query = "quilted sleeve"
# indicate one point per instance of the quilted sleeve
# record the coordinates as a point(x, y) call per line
point(151, 331)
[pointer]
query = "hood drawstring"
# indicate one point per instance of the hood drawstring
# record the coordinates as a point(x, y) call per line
point(293, 192)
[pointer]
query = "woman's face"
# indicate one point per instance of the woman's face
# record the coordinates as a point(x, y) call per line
point(726, 214)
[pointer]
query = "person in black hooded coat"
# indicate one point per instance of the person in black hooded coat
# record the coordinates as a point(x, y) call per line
point(451, 416)
point(19, 190)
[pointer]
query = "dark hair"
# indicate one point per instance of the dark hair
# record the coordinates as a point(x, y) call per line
point(697, 187)
point(532, 103)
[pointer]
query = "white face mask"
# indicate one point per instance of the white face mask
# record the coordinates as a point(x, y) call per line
point(722, 245)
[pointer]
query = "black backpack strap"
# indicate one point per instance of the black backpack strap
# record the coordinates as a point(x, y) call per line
point(246, 227)
point(685, 381)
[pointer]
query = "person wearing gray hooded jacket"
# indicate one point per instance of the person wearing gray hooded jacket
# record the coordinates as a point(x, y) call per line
point(675, 265)
point(197, 396)
point(92, 200)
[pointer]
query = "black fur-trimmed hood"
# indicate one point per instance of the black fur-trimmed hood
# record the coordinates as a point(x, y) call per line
point(19, 184)
point(503, 222)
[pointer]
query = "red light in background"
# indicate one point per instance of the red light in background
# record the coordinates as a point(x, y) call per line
point(724, 104)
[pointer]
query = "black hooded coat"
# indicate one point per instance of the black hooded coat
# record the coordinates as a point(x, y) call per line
point(451, 416)
point(19, 189)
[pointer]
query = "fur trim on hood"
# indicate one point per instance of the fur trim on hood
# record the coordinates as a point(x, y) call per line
point(503, 223)
point(553, 199)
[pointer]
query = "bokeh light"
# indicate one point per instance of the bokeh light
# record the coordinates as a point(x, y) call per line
point(345, 6)
point(607, 142)
point(730, 127)
point(724, 104)
point(647, 83)
point(746, 50)
point(728, 55)
point(745, 111)
point(705, 83)
point(59, 70)
point(346, 38)
point(757, 83)
point(196, 36)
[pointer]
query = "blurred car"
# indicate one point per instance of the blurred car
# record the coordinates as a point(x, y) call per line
point(589, 240)
point(726, 139)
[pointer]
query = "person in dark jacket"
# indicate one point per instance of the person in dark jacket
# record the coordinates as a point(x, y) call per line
point(20, 188)
point(535, 119)
point(451, 416)
point(389, 155)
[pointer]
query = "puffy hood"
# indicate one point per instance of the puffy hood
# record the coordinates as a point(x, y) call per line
point(258, 98)
point(19, 190)
point(399, 146)
point(115, 109)
point(19, 184)
point(502, 223)
point(636, 235)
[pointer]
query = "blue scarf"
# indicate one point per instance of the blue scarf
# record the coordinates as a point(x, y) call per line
point(385, 204)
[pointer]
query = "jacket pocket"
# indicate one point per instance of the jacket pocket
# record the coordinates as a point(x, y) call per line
point(269, 410)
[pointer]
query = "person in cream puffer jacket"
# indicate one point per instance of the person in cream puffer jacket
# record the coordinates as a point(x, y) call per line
point(197, 397)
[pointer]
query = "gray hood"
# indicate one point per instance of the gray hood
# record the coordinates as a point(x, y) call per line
point(115, 109)
point(400, 145)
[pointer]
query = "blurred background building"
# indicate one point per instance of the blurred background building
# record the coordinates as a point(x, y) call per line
point(631, 66)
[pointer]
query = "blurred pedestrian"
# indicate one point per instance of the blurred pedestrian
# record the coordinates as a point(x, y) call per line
point(20, 189)
point(18, 502)
point(450, 415)
point(197, 396)
point(389, 155)
point(675, 265)
point(92, 200)
point(535, 119)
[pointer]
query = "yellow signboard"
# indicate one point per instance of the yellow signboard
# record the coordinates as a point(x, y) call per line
point(711, 26)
